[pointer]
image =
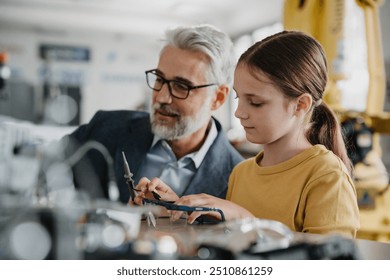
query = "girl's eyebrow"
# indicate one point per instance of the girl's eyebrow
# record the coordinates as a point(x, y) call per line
point(246, 93)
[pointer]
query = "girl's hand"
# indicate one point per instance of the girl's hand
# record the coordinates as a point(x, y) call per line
point(231, 210)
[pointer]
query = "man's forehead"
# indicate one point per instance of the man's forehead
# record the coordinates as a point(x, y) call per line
point(179, 63)
point(183, 56)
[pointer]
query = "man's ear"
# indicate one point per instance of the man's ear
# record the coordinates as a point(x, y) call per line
point(304, 102)
point(220, 97)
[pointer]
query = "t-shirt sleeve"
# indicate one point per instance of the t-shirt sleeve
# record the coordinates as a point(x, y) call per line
point(330, 205)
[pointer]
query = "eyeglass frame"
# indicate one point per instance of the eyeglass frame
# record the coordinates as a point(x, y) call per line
point(168, 82)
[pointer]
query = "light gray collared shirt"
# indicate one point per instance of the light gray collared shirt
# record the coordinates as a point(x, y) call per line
point(161, 162)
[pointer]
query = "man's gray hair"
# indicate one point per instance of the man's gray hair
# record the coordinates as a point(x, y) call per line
point(214, 43)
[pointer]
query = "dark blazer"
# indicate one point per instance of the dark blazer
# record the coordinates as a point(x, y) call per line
point(130, 131)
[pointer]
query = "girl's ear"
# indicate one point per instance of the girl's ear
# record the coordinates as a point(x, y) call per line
point(304, 102)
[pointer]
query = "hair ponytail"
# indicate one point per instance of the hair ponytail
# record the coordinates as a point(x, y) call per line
point(325, 129)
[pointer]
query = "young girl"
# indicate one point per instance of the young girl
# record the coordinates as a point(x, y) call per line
point(302, 176)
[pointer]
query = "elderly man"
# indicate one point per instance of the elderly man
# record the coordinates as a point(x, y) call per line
point(179, 141)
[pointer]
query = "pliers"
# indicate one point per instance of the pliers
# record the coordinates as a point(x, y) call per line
point(130, 182)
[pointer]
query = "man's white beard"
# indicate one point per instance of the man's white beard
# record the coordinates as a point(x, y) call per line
point(184, 126)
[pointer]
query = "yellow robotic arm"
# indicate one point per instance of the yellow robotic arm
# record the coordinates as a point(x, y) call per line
point(325, 21)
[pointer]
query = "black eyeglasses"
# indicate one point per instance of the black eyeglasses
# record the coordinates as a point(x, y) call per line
point(176, 88)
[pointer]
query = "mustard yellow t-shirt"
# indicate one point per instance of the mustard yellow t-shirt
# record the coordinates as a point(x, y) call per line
point(311, 192)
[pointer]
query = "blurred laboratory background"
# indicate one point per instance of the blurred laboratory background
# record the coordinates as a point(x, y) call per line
point(62, 60)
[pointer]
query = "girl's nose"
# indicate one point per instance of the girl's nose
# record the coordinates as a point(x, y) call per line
point(240, 114)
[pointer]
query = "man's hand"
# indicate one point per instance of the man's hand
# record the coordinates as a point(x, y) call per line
point(146, 187)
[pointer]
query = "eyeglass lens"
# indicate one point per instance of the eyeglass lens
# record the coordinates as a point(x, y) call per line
point(176, 88)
